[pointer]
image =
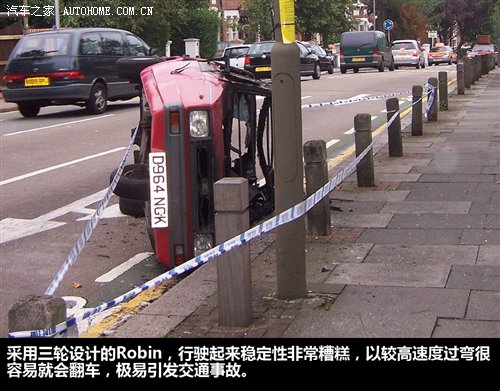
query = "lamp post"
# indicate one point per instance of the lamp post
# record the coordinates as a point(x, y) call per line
point(374, 17)
point(56, 13)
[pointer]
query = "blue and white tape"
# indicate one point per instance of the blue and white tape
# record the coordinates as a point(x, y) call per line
point(282, 218)
point(431, 95)
point(82, 240)
point(340, 102)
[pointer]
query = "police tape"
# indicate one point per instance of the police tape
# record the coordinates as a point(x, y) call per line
point(340, 102)
point(282, 218)
point(431, 95)
point(82, 240)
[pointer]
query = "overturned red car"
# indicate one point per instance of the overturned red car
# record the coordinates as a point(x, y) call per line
point(200, 120)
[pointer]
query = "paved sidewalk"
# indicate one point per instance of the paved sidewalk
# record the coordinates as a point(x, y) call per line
point(416, 256)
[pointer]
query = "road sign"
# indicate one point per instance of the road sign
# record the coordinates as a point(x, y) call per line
point(432, 34)
point(388, 24)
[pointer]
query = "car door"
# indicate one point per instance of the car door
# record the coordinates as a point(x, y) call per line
point(307, 60)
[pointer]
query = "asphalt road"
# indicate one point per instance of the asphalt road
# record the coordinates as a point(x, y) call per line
point(54, 167)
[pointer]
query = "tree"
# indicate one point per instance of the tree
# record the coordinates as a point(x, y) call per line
point(260, 19)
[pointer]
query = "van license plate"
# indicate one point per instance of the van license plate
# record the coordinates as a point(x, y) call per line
point(158, 195)
point(263, 69)
point(36, 81)
point(358, 59)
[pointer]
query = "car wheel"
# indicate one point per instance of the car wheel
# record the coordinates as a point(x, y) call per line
point(131, 207)
point(396, 67)
point(98, 99)
point(317, 72)
point(391, 66)
point(381, 67)
point(343, 70)
point(134, 182)
point(418, 65)
point(355, 70)
point(330, 69)
point(28, 110)
point(130, 68)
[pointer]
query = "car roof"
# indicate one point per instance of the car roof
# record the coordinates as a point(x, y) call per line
point(78, 30)
point(237, 47)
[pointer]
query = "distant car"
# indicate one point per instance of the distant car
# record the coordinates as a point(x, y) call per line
point(71, 66)
point(236, 55)
point(325, 59)
point(406, 52)
point(258, 60)
point(479, 49)
point(441, 54)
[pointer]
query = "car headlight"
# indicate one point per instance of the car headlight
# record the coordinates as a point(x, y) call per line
point(199, 123)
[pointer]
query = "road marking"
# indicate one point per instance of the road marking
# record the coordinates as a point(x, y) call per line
point(306, 97)
point(331, 142)
point(44, 170)
point(56, 125)
point(12, 229)
point(120, 269)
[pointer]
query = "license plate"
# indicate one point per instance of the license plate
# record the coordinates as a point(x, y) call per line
point(158, 194)
point(36, 81)
point(262, 69)
point(404, 54)
point(358, 59)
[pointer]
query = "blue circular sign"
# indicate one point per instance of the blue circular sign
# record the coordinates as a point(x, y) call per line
point(388, 24)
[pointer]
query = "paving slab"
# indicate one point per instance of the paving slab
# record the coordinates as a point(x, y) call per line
point(410, 236)
point(356, 206)
point(495, 170)
point(474, 277)
point(424, 254)
point(148, 326)
point(474, 136)
point(480, 236)
point(484, 305)
point(445, 221)
point(449, 158)
point(390, 274)
point(488, 256)
point(425, 191)
point(395, 177)
point(467, 178)
point(449, 169)
point(368, 220)
point(333, 324)
point(441, 302)
point(374, 195)
point(459, 328)
point(409, 207)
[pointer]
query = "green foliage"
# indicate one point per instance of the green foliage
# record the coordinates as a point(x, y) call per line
point(260, 19)
point(202, 24)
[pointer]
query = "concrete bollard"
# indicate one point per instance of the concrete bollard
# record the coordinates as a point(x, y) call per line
point(316, 171)
point(394, 129)
point(234, 274)
point(477, 67)
point(433, 111)
point(36, 313)
point(484, 64)
point(467, 72)
point(443, 91)
point(365, 172)
point(460, 79)
point(416, 112)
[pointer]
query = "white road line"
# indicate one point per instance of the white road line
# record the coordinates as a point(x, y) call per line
point(306, 97)
point(358, 96)
point(56, 125)
point(44, 170)
point(331, 142)
point(120, 269)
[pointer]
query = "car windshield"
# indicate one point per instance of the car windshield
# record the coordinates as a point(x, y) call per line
point(358, 38)
point(261, 47)
point(42, 45)
point(235, 52)
point(485, 48)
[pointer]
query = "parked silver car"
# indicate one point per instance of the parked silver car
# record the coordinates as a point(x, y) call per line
point(406, 52)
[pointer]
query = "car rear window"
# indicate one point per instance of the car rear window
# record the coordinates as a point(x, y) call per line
point(441, 49)
point(402, 45)
point(42, 45)
point(358, 38)
point(235, 52)
point(261, 47)
point(486, 48)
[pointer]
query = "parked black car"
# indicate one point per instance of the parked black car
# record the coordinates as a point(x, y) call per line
point(258, 60)
point(71, 66)
point(325, 60)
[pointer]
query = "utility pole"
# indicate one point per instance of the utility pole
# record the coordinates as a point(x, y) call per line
point(56, 13)
point(374, 17)
point(287, 121)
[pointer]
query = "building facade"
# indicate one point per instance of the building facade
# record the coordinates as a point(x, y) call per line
point(232, 18)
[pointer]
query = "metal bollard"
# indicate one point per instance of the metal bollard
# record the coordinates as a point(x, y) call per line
point(316, 171)
point(416, 111)
point(443, 91)
point(394, 129)
point(363, 137)
point(460, 79)
point(433, 112)
point(234, 273)
point(36, 313)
